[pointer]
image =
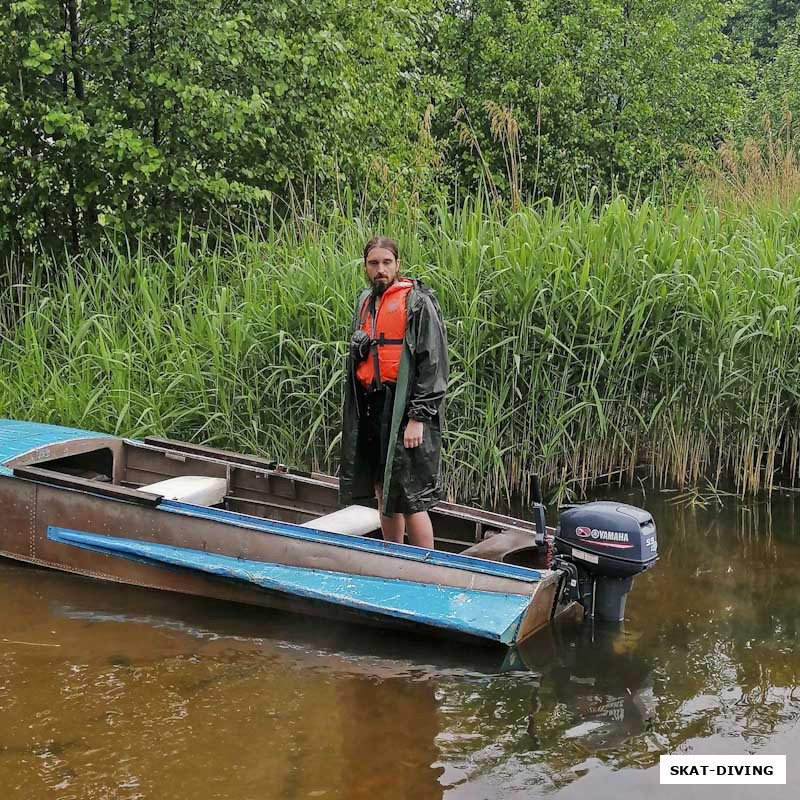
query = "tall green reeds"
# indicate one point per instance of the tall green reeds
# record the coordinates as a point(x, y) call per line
point(587, 342)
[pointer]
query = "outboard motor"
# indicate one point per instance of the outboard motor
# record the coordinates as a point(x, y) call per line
point(600, 547)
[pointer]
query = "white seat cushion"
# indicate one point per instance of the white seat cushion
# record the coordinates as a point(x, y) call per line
point(355, 520)
point(199, 490)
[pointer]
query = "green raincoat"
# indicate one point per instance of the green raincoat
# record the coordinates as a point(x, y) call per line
point(411, 479)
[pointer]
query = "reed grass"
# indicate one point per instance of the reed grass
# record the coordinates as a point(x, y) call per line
point(758, 172)
point(588, 342)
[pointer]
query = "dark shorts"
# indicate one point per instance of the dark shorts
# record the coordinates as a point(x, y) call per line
point(374, 430)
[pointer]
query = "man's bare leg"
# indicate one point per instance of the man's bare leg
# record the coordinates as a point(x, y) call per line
point(392, 527)
point(420, 530)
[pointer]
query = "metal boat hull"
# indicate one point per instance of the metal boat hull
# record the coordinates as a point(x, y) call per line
point(109, 532)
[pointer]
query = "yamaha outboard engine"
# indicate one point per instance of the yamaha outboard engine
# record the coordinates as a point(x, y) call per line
point(600, 547)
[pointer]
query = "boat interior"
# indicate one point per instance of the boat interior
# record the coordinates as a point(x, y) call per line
point(153, 469)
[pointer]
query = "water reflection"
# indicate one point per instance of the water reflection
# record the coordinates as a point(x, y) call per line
point(347, 696)
point(405, 712)
point(593, 685)
point(709, 651)
point(114, 691)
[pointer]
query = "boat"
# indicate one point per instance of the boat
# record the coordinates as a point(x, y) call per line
point(187, 518)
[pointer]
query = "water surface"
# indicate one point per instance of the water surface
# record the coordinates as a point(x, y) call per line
point(113, 691)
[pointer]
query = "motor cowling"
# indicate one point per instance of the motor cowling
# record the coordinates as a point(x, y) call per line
point(605, 545)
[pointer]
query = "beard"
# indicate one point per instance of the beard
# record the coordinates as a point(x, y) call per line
point(379, 286)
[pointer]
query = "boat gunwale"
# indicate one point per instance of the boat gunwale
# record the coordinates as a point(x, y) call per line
point(274, 527)
point(504, 521)
point(390, 549)
point(236, 519)
point(455, 510)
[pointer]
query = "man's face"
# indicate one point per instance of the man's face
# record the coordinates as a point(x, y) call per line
point(382, 269)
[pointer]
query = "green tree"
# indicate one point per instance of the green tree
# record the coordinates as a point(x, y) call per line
point(779, 87)
point(762, 24)
point(130, 113)
point(605, 90)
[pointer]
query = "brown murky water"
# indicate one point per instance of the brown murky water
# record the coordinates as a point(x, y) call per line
point(115, 692)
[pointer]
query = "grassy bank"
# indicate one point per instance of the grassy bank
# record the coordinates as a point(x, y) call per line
point(585, 342)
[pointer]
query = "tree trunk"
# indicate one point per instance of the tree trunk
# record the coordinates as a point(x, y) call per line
point(75, 41)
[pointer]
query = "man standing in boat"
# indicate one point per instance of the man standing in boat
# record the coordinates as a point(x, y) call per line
point(394, 398)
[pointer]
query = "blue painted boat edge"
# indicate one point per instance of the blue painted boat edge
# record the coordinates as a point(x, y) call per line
point(18, 437)
point(298, 581)
point(404, 551)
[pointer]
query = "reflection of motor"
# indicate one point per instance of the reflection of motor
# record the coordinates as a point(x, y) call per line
point(601, 546)
point(594, 687)
point(360, 345)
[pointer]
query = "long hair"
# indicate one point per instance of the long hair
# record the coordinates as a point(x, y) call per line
point(381, 241)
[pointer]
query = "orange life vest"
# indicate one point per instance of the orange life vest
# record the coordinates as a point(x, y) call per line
point(387, 332)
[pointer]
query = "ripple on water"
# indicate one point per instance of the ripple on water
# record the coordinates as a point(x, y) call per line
point(136, 691)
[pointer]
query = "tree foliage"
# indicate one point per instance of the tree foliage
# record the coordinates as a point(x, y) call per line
point(762, 24)
point(129, 113)
point(606, 90)
point(778, 91)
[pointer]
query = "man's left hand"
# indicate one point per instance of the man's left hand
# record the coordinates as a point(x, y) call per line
point(413, 434)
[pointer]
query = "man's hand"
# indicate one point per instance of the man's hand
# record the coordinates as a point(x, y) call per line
point(413, 435)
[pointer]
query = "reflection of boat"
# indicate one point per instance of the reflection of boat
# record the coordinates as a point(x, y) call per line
point(140, 626)
point(288, 706)
point(191, 519)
